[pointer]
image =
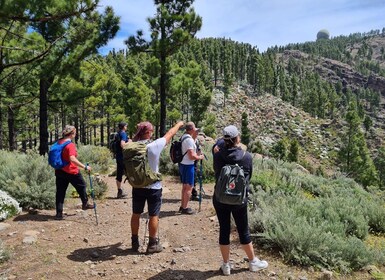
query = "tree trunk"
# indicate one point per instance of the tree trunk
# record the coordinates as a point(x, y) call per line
point(83, 136)
point(43, 114)
point(1, 128)
point(163, 107)
point(102, 128)
point(11, 129)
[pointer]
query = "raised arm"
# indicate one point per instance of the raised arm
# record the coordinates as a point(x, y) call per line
point(169, 134)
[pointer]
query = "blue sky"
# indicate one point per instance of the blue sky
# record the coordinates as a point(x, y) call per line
point(260, 23)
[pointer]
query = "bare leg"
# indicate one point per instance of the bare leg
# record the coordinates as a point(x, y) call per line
point(225, 251)
point(249, 250)
point(135, 224)
point(153, 226)
point(186, 195)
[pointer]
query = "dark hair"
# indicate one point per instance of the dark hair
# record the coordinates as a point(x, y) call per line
point(230, 142)
point(121, 125)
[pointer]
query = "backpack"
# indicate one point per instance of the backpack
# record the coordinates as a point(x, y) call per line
point(176, 153)
point(137, 170)
point(113, 142)
point(55, 155)
point(231, 186)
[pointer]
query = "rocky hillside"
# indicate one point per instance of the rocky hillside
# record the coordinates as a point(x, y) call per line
point(270, 118)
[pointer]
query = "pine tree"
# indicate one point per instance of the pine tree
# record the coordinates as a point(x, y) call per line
point(174, 24)
point(354, 154)
point(245, 135)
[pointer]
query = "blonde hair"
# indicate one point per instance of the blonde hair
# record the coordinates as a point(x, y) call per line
point(68, 129)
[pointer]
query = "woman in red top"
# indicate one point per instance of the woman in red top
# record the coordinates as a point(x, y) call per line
point(70, 173)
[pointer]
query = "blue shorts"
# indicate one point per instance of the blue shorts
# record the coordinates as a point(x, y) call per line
point(186, 173)
point(153, 198)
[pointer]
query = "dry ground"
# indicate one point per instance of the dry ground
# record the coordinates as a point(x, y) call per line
point(77, 248)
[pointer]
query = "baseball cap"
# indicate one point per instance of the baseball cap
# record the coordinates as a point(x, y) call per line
point(191, 126)
point(121, 125)
point(230, 131)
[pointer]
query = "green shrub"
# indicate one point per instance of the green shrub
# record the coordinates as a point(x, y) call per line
point(99, 157)
point(313, 220)
point(31, 181)
point(4, 254)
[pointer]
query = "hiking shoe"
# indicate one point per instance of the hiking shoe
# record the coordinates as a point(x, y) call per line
point(225, 267)
point(135, 244)
point(59, 216)
point(87, 206)
point(188, 211)
point(154, 248)
point(121, 194)
point(256, 265)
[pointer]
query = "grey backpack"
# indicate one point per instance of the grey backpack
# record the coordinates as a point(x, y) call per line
point(231, 187)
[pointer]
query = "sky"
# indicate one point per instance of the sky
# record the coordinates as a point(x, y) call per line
point(260, 23)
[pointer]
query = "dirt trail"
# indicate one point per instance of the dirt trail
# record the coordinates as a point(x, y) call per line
point(75, 248)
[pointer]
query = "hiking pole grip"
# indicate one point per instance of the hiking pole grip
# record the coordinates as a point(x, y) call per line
point(92, 194)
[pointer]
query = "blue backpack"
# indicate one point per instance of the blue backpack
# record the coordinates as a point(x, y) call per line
point(54, 155)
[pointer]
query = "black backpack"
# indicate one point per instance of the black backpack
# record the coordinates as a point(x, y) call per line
point(231, 187)
point(113, 142)
point(176, 153)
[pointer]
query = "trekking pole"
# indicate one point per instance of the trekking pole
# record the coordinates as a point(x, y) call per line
point(145, 230)
point(201, 190)
point(93, 195)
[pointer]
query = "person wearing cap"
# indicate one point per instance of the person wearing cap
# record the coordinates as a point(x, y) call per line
point(70, 173)
point(119, 158)
point(152, 193)
point(186, 166)
point(232, 153)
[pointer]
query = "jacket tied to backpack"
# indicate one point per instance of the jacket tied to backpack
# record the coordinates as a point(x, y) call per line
point(137, 170)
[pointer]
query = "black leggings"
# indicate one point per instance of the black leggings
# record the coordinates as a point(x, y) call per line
point(62, 181)
point(239, 213)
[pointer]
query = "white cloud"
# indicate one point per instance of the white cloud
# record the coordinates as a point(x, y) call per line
point(262, 23)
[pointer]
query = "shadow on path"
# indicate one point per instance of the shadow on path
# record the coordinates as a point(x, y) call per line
point(101, 253)
point(190, 274)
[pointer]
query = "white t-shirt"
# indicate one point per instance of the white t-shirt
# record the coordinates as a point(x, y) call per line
point(188, 144)
point(154, 150)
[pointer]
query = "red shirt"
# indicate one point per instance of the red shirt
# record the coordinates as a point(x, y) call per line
point(69, 150)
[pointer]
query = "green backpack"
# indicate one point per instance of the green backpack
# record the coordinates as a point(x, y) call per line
point(137, 170)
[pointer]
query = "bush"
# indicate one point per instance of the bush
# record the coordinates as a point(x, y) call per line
point(99, 157)
point(9, 207)
point(4, 254)
point(31, 181)
point(313, 220)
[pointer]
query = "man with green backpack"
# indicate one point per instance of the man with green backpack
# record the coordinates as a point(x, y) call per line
point(141, 160)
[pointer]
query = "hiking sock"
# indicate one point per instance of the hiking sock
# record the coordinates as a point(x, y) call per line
point(152, 241)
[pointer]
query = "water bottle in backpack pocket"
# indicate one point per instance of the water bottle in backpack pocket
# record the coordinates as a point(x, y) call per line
point(231, 186)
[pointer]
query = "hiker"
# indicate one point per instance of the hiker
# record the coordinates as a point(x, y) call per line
point(123, 138)
point(152, 193)
point(231, 153)
point(186, 166)
point(70, 173)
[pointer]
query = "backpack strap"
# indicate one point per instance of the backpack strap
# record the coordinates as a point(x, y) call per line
point(181, 142)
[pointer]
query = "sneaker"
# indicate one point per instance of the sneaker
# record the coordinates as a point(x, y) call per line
point(121, 194)
point(135, 244)
point(225, 267)
point(87, 206)
point(188, 211)
point(59, 216)
point(257, 265)
point(154, 248)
